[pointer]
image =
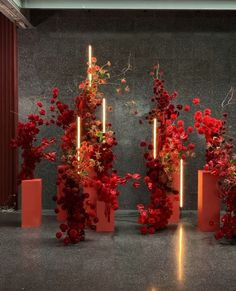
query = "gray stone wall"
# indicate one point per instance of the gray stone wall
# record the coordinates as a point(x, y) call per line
point(197, 51)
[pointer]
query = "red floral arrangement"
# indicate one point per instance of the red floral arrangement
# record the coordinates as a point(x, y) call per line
point(33, 149)
point(172, 146)
point(220, 161)
point(95, 155)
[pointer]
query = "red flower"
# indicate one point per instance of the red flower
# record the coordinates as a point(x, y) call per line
point(196, 101)
point(144, 230)
point(136, 184)
point(55, 92)
point(180, 123)
point(186, 108)
point(58, 235)
point(191, 146)
point(190, 129)
point(42, 112)
point(39, 104)
point(143, 144)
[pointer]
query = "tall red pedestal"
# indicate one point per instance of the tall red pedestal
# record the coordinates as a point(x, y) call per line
point(62, 214)
point(92, 191)
point(106, 217)
point(176, 210)
point(31, 203)
point(208, 202)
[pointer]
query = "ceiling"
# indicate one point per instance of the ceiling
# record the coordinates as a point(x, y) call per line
point(16, 10)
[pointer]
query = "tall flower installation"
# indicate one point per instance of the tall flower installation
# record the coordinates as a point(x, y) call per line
point(220, 161)
point(172, 145)
point(91, 163)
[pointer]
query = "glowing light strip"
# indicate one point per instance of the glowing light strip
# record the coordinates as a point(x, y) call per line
point(103, 115)
point(90, 64)
point(154, 138)
point(181, 186)
point(78, 135)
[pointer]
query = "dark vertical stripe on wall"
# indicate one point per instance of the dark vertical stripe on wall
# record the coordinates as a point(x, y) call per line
point(8, 110)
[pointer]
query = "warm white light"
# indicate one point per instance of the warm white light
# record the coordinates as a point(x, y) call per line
point(103, 115)
point(154, 138)
point(78, 135)
point(90, 64)
point(181, 186)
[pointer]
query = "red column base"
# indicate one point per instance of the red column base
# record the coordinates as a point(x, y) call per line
point(62, 214)
point(208, 202)
point(174, 199)
point(31, 203)
point(106, 218)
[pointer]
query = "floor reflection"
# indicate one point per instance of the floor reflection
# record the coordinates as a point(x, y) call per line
point(180, 254)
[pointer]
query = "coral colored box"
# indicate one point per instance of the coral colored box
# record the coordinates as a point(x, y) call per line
point(208, 202)
point(106, 216)
point(176, 181)
point(176, 210)
point(31, 203)
point(62, 214)
point(91, 190)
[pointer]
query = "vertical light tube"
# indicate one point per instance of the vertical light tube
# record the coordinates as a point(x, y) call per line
point(181, 186)
point(78, 135)
point(104, 115)
point(154, 138)
point(90, 64)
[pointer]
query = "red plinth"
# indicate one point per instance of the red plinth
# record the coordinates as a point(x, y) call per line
point(176, 210)
point(92, 191)
point(208, 202)
point(31, 203)
point(106, 217)
point(176, 181)
point(62, 214)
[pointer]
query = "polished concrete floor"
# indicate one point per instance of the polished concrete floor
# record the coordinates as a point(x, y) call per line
point(180, 258)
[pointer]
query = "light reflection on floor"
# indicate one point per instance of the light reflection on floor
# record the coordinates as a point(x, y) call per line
point(180, 253)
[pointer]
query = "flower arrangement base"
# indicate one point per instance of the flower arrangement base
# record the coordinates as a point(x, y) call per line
point(208, 202)
point(91, 191)
point(174, 199)
point(106, 218)
point(31, 203)
point(62, 214)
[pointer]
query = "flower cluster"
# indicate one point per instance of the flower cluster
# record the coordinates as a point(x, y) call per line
point(220, 161)
point(95, 155)
point(33, 149)
point(172, 145)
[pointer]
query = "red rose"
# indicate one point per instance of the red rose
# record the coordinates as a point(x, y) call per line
point(39, 104)
point(63, 227)
point(173, 116)
point(186, 108)
point(144, 230)
point(42, 112)
point(191, 146)
point(207, 111)
point(136, 184)
point(143, 144)
point(55, 92)
point(180, 123)
point(58, 235)
point(190, 129)
point(196, 101)
point(151, 230)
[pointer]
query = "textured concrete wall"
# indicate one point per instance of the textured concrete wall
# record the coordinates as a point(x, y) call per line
point(197, 51)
